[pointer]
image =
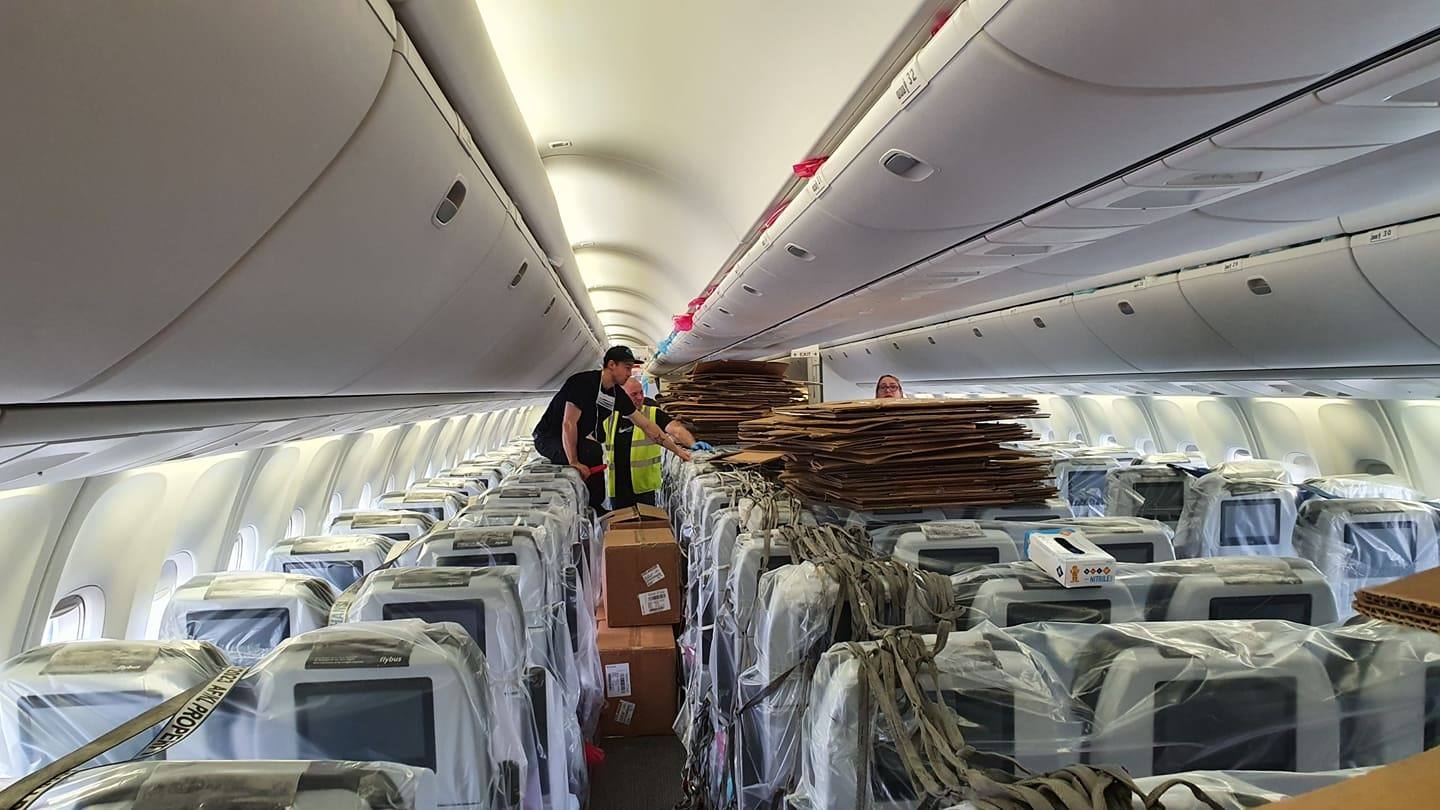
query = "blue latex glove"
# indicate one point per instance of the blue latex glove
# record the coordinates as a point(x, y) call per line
point(701, 446)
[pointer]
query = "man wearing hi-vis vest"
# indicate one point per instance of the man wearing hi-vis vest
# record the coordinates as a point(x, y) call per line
point(633, 472)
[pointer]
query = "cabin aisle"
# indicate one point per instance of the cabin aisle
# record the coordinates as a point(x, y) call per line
point(639, 773)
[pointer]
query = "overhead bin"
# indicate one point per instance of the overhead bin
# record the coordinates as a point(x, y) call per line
point(1152, 327)
point(1016, 104)
point(1304, 307)
point(452, 38)
point(1053, 332)
point(990, 340)
point(353, 270)
point(1403, 263)
point(155, 145)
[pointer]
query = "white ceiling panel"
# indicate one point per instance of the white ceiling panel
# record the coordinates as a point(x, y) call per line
point(682, 120)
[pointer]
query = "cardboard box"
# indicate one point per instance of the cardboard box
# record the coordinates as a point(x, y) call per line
point(1413, 601)
point(1400, 786)
point(1069, 557)
point(639, 516)
point(640, 689)
point(643, 583)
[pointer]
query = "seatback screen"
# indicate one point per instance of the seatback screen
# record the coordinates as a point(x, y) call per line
point(340, 573)
point(954, 560)
point(469, 615)
point(1290, 607)
point(1079, 611)
point(1129, 552)
point(1250, 522)
point(1085, 487)
point(53, 725)
point(367, 721)
point(478, 560)
point(1382, 548)
point(986, 718)
point(1160, 500)
point(259, 628)
point(1222, 724)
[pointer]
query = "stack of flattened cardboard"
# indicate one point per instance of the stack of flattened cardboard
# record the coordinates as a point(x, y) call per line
point(1413, 601)
point(716, 397)
point(880, 454)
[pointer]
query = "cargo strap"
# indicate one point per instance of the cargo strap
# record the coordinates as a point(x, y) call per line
point(942, 766)
point(186, 711)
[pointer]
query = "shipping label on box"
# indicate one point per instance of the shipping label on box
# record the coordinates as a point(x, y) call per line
point(642, 577)
point(1070, 558)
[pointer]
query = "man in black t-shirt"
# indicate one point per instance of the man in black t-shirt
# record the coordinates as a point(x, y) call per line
point(566, 432)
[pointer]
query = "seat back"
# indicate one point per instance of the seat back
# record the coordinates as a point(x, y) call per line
point(1154, 491)
point(399, 691)
point(339, 560)
point(1361, 543)
point(56, 698)
point(1081, 481)
point(397, 525)
point(950, 546)
point(246, 613)
point(293, 785)
point(1246, 512)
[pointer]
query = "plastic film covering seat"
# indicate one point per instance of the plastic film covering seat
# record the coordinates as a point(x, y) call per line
point(1081, 480)
point(398, 691)
point(339, 560)
point(1154, 491)
point(56, 698)
point(522, 679)
point(1234, 790)
point(949, 546)
point(1239, 508)
point(1355, 485)
point(400, 526)
point(291, 785)
point(1360, 543)
point(1153, 698)
point(247, 614)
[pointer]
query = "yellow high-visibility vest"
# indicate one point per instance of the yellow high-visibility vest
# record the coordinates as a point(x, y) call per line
point(645, 455)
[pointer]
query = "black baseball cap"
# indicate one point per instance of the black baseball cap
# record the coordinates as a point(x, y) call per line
point(621, 354)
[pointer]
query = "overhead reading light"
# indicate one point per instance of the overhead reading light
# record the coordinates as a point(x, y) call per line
point(450, 206)
point(906, 166)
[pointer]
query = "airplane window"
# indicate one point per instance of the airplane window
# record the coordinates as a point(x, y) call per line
point(337, 504)
point(1077, 436)
point(1302, 466)
point(1145, 446)
point(242, 550)
point(1371, 466)
point(1187, 447)
point(1239, 454)
point(365, 496)
point(296, 527)
point(164, 589)
point(1108, 440)
point(67, 620)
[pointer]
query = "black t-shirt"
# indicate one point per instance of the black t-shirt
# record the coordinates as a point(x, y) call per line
point(583, 390)
point(623, 487)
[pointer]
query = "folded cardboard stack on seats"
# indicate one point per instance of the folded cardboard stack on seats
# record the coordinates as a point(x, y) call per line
point(716, 397)
point(1413, 601)
point(878, 454)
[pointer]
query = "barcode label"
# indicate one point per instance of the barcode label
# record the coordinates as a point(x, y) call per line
point(653, 574)
point(654, 602)
point(617, 680)
point(625, 713)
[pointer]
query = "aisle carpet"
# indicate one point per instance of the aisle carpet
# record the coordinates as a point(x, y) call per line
point(638, 774)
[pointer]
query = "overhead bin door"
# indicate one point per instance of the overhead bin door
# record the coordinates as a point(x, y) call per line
point(988, 339)
point(1052, 332)
point(1403, 262)
point(1304, 307)
point(347, 276)
point(1151, 325)
point(148, 148)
